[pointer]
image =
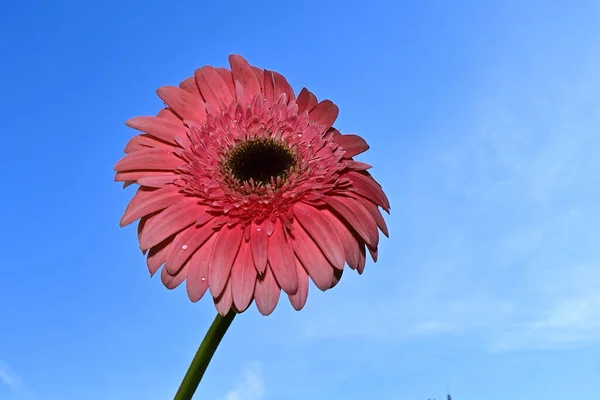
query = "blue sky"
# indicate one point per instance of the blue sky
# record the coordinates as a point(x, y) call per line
point(483, 121)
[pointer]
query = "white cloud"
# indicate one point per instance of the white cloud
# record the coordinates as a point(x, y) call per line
point(251, 386)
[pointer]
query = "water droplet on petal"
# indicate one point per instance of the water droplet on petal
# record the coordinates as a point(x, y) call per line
point(299, 135)
point(203, 278)
point(258, 228)
point(184, 247)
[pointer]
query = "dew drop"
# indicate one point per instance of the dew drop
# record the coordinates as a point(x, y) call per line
point(258, 228)
point(184, 247)
point(299, 135)
point(203, 278)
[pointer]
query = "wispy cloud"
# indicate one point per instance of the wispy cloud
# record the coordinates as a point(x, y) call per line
point(251, 386)
point(568, 313)
point(9, 377)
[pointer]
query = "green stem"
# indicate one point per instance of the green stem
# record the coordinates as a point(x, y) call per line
point(207, 348)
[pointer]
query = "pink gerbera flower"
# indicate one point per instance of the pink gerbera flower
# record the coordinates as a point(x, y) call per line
point(247, 190)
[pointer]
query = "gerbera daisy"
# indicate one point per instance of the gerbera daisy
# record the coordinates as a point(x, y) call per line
point(246, 190)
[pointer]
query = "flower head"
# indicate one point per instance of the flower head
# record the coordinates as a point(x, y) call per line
point(246, 190)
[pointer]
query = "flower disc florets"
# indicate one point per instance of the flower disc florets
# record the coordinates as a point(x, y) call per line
point(252, 162)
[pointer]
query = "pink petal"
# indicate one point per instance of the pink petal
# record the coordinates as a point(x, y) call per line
point(368, 188)
point(136, 175)
point(298, 300)
point(189, 85)
point(314, 261)
point(269, 86)
point(359, 166)
point(225, 249)
point(362, 261)
point(169, 115)
point(240, 93)
point(243, 73)
point(204, 219)
point(228, 78)
point(197, 280)
point(352, 144)
point(283, 86)
point(243, 278)
point(373, 211)
point(169, 221)
point(158, 255)
point(185, 245)
point(269, 227)
point(266, 293)
point(306, 101)
point(148, 201)
point(259, 245)
point(213, 87)
point(325, 113)
point(143, 142)
point(157, 181)
point(356, 216)
point(281, 260)
point(320, 231)
point(374, 253)
point(334, 132)
point(173, 281)
point(153, 159)
point(337, 276)
point(225, 300)
point(260, 76)
point(185, 104)
point(143, 222)
point(347, 238)
point(160, 128)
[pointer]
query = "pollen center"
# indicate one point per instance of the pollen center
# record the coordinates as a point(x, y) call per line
point(261, 160)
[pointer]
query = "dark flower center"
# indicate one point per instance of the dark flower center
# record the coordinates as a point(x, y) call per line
point(261, 160)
